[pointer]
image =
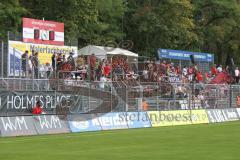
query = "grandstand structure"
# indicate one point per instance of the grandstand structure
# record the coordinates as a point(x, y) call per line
point(19, 94)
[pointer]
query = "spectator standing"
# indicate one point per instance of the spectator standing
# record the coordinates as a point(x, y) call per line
point(214, 70)
point(71, 60)
point(219, 68)
point(92, 61)
point(199, 77)
point(185, 71)
point(107, 70)
point(54, 61)
point(99, 71)
point(236, 75)
point(145, 105)
point(24, 63)
point(35, 62)
point(48, 70)
point(59, 60)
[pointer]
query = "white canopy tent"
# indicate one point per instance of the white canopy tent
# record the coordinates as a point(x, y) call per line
point(102, 52)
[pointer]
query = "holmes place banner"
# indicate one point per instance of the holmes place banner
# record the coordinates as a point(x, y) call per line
point(21, 103)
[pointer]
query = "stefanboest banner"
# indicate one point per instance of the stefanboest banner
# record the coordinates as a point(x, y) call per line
point(22, 102)
point(16, 49)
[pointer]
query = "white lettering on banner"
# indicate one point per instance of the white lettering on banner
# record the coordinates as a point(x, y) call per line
point(17, 102)
point(105, 121)
point(111, 121)
point(9, 102)
point(238, 110)
point(44, 24)
point(118, 121)
point(29, 101)
point(231, 114)
point(16, 125)
point(48, 101)
point(211, 118)
point(95, 122)
point(175, 54)
point(219, 115)
point(54, 122)
point(80, 124)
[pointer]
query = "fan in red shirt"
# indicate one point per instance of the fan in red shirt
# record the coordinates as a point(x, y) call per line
point(37, 109)
point(107, 70)
point(199, 77)
point(214, 70)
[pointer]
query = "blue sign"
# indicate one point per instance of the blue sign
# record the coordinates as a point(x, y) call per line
point(185, 55)
point(83, 123)
point(14, 65)
point(137, 119)
point(111, 121)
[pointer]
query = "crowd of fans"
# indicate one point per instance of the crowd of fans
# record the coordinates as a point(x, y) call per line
point(118, 68)
point(167, 71)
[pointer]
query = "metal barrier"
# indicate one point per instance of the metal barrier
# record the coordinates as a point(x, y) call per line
point(64, 96)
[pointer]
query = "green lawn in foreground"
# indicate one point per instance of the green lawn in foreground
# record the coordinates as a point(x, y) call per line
point(192, 142)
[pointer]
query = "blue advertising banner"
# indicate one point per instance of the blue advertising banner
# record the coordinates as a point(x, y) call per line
point(137, 119)
point(83, 123)
point(111, 121)
point(185, 55)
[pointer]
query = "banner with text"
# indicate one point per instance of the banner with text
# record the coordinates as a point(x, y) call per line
point(222, 115)
point(50, 124)
point(17, 126)
point(178, 117)
point(110, 121)
point(21, 103)
point(43, 32)
point(136, 119)
point(83, 123)
point(16, 49)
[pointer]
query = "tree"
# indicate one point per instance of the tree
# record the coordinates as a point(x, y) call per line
point(11, 13)
point(217, 22)
point(161, 24)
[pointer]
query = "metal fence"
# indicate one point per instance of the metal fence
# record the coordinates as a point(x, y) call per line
point(62, 96)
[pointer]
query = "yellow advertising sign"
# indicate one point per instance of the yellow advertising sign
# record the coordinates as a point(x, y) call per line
point(44, 51)
point(199, 116)
point(179, 117)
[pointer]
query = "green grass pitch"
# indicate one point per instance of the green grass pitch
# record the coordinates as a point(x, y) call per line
point(192, 142)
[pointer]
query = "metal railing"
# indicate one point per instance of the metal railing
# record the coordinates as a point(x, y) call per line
point(62, 96)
